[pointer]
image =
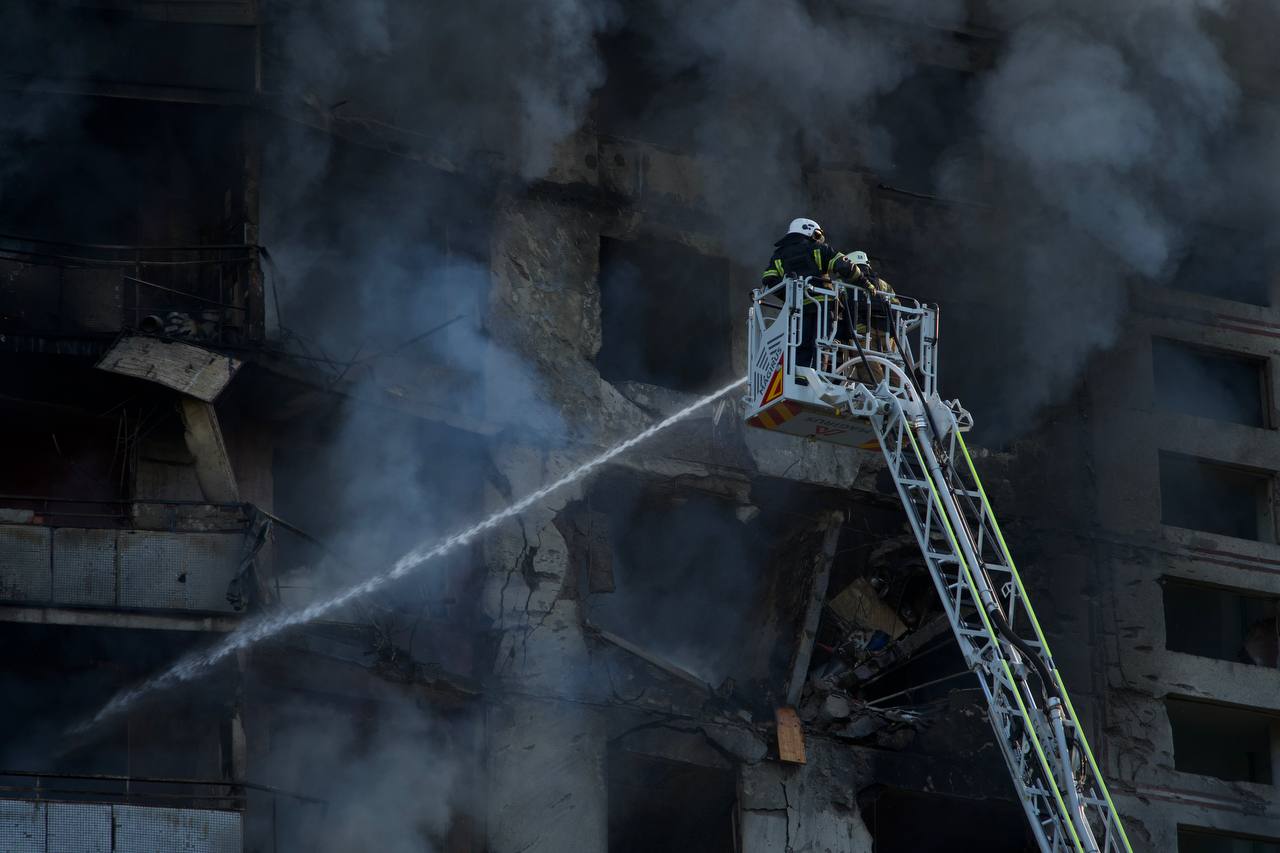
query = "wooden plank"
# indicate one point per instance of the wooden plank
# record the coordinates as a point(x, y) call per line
point(790, 736)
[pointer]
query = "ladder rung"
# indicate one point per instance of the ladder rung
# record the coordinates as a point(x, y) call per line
point(958, 508)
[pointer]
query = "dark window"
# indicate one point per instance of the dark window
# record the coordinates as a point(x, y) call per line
point(1220, 740)
point(1215, 498)
point(1228, 264)
point(1219, 623)
point(700, 585)
point(67, 673)
point(62, 445)
point(101, 46)
point(118, 171)
point(894, 818)
point(1193, 840)
point(658, 804)
point(1194, 381)
point(646, 92)
point(924, 117)
point(665, 315)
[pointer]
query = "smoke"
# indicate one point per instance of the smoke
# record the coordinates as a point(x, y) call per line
point(377, 250)
point(392, 781)
point(681, 596)
point(1114, 135)
point(26, 119)
point(764, 90)
point(1102, 139)
point(1098, 139)
point(272, 624)
point(1096, 144)
point(1101, 145)
point(465, 78)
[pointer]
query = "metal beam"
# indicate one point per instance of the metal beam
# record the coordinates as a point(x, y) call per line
point(813, 612)
point(649, 657)
point(116, 619)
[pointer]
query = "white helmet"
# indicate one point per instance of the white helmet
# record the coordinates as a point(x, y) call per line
point(859, 258)
point(807, 227)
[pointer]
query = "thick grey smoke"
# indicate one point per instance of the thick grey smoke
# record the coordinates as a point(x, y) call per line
point(462, 79)
point(392, 782)
point(1102, 142)
point(1103, 139)
point(1098, 142)
point(1111, 116)
point(764, 90)
point(681, 596)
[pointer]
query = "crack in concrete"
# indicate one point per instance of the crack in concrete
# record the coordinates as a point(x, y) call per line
point(523, 564)
point(502, 595)
point(786, 801)
point(532, 582)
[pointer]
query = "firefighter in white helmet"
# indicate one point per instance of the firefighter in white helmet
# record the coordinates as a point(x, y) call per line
point(878, 318)
point(803, 251)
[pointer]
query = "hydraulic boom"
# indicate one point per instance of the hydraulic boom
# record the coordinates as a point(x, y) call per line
point(855, 395)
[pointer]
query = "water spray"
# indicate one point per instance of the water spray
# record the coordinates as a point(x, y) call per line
point(248, 635)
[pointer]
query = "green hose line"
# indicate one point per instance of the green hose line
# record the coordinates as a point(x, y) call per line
point(1044, 644)
point(991, 634)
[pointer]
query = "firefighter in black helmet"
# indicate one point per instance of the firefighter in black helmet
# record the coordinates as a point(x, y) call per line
point(803, 251)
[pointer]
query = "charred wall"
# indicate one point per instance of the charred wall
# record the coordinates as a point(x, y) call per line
point(478, 277)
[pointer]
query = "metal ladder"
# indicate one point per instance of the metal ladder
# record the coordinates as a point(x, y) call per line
point(1053, 770)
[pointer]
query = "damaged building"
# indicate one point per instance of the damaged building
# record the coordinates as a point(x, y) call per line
point(288, 289)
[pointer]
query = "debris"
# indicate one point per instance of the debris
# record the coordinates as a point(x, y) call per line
point(896, 653)
point(861, 727)
point(191, 370)
point(203, 434)
point(860, 604)
point(245, 588)
point(835, 707)
point(740, 742)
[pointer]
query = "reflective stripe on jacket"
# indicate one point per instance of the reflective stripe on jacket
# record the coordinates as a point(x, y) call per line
point(798, 255)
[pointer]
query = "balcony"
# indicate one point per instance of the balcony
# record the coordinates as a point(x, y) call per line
point(46, 813)
point(61, 297)
point(56, 555)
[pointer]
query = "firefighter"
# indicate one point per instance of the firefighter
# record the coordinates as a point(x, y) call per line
point(803, 251)
point(879, 317)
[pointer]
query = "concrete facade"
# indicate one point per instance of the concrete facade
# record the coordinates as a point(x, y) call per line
point(602, 673)
point(1139, 555)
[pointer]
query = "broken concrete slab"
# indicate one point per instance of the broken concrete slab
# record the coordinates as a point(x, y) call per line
point(191, 370)
point(739, 741)
point(204, 439)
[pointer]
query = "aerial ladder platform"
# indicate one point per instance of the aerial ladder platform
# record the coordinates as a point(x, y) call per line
point(872, 381)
